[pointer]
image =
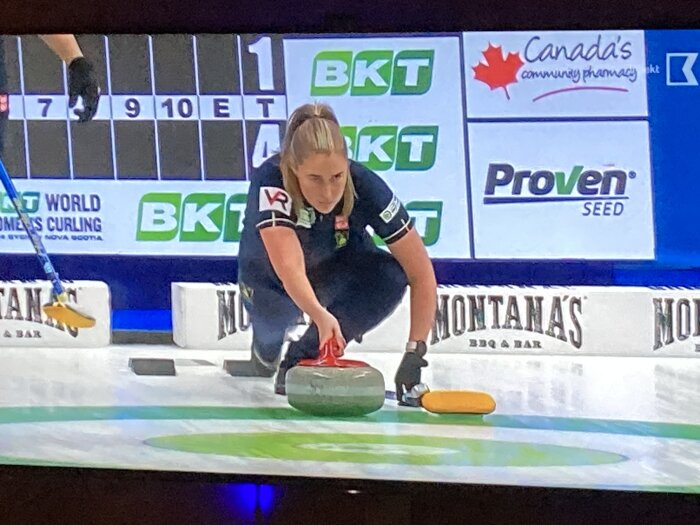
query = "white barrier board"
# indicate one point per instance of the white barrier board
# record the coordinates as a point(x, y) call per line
point(577, 320)
point(23, 323)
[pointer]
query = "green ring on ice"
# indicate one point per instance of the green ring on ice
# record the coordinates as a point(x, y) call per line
point(382, 449)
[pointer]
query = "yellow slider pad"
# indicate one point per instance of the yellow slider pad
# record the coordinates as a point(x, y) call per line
point(458, 402)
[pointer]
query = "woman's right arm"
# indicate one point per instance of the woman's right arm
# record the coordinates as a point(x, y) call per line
point(287, 259)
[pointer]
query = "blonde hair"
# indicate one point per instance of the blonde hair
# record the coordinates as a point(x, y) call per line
point(312, 128)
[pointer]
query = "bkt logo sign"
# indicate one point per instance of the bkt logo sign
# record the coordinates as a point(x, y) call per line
point(213, 217)
point(195, 217)
point(372, 72)
point(381, 148)
point(29, 200)
point(679, 69)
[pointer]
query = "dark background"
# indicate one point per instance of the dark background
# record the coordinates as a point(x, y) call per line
point(134, 16)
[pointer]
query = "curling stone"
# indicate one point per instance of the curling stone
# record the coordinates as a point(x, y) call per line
point(334, 387)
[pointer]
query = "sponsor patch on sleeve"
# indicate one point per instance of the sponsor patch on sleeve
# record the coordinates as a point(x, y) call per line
point(391, 210)
point(275, 199)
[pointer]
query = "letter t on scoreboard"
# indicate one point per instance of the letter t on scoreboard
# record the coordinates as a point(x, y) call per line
point(264, 99)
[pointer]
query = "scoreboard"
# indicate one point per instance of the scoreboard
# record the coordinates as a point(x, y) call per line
point(501, 145)
point(174, 107)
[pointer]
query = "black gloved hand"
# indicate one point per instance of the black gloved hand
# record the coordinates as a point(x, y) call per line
point(83, 83)
point(408, 374)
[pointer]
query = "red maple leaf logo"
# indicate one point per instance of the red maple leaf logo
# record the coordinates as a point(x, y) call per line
point(497, 72)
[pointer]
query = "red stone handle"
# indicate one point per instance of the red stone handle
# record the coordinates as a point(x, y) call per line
point(329, 355)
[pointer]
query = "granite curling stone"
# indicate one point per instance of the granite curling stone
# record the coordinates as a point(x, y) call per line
point(338, 391)
point(335, 391)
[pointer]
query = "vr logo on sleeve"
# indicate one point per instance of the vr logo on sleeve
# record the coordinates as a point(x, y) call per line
point(275, 199)
point(391, 210)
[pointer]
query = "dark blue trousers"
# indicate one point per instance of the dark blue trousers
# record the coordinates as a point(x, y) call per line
point(360, 288)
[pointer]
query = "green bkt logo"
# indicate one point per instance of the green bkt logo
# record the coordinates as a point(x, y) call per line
point(372, 73)
point(28, 199)
point(199, 217)
point(209, 217)
point(380, 148)
point(427, 219)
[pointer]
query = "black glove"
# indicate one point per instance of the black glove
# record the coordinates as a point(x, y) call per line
point(83, 83)
point(408, 374)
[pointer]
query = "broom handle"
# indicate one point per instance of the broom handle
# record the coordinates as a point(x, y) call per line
point(58, 291)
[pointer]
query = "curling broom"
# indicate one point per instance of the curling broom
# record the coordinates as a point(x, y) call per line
point(57, 309)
